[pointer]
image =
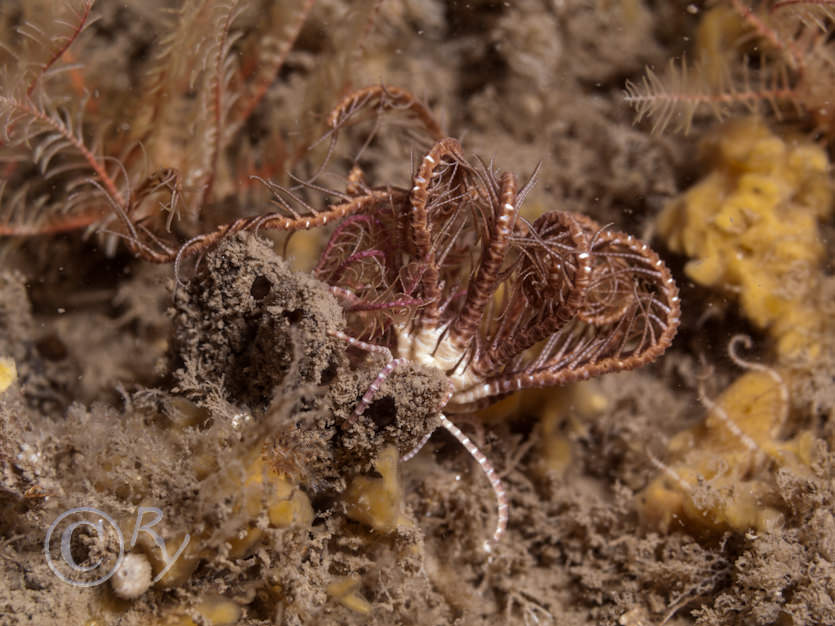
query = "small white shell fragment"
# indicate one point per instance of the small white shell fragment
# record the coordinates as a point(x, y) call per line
point(133, 577)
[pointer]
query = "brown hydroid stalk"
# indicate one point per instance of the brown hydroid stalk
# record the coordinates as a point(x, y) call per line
point(796, 59)
point(217, 89)
point(81, 23)
point(181, 119)
point(267, 76)
point(28, 110)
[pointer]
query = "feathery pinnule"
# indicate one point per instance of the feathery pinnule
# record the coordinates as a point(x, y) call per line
point(791, 75)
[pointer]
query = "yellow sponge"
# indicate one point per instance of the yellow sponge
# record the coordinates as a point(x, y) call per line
point(8, 373)
point(751, 229)
point(720, 475)
point(345, 591)
point(212, 611)
point(376, 501)
point(561, 412)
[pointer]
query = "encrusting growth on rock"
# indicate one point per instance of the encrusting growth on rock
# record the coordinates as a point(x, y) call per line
point(720, 474)
point(751, 230)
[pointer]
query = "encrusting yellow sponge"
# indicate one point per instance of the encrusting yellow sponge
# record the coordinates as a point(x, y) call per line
point(212, 611)
point(376, 501)
point(8, 373)
point(751, 229)
point(562, 413)
point(263, 488)
point(720, 474)
point(286, 504)
point(345, 591)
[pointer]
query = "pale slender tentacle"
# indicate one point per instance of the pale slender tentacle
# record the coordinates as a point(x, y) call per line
point(368, 397)
point(444, 401)
point(783, 388)
point(731, 425)
point(413, 452)
point(490, 472)
point(362, 345)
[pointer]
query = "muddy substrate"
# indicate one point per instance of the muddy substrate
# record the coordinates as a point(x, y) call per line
point(253, 365)
point(130, 393)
